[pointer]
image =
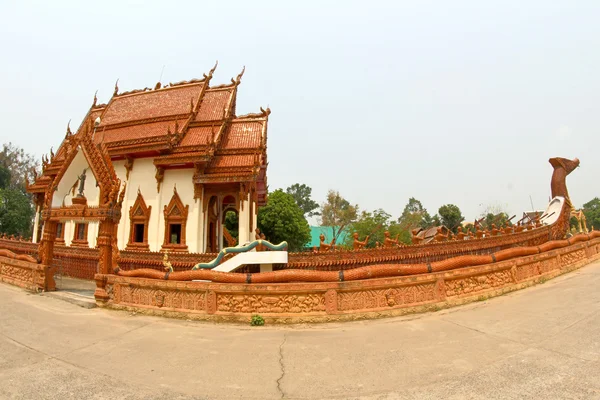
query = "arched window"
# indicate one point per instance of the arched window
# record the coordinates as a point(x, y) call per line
point(175, 221)
point(139, 220)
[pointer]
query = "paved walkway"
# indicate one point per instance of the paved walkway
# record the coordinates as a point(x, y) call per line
point(542, 342)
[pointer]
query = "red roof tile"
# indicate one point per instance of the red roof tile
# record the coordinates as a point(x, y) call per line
point(227, 161)
point(151, 104)
point(243, 135)
point(198, 136)
point(213, 104)
point(134, 132)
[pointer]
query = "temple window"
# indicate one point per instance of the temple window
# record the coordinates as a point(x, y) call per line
point(139, 219)
point(60, 233)
point(175, 233)
point(80, 234)
point(175, 215)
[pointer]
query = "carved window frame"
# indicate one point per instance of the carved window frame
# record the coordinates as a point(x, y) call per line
point(76, 242)
point(60, 236)
point(175, 213)
point(139, 213)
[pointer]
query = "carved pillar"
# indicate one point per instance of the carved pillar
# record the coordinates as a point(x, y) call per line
point(104, 243)
point(46, 249)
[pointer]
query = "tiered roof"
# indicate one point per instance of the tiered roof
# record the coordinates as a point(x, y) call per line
point(184, 124)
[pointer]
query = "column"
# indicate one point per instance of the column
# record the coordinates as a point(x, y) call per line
point(36, 224)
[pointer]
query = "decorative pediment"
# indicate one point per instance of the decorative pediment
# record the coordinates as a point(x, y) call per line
point(139, 208)
point(139, 222)
point(176, 209)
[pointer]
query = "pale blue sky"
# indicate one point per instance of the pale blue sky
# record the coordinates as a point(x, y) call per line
point(447, 101)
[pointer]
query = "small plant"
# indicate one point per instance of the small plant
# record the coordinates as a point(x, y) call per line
point(257, 320)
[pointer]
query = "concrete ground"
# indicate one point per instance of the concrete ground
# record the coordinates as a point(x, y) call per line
point(542, 342)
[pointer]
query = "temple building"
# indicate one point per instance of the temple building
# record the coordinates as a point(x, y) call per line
point(163, 165)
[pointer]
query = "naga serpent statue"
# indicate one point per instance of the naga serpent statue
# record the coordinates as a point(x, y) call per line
point(558, 185)
point(552, 237)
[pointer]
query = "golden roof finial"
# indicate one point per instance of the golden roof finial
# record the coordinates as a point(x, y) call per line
point(95, 99)
point(69, 133)
point(116, 92)
point(238, 79)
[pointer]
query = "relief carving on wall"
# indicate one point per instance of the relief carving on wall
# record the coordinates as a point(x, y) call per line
point(390, 297)
point(527, 271)
point(572, 258)
point(271, 303)
point(20, 274)
point(479, 283)
point(192, 300)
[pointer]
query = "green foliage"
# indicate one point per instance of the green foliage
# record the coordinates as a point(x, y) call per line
point(16, 208)
point(451, 217)
point(16, 212)
point(498, 219)
point(337, 213)
point(257, 320)
point(19, 163)
point(232, 223)
point(591, 210)
point(281, 219)
point(371, 224)
point(414, 216)
point(302, 194)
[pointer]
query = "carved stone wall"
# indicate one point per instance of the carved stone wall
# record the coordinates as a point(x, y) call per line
point(26, 274)
point(339, 301)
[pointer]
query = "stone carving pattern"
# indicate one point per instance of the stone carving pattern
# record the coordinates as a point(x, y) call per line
point(572, 258)
point(527, 271)
point(271, 303)
point(20, 274)
point(478, 283)
point(155, 297)
point(390, 297)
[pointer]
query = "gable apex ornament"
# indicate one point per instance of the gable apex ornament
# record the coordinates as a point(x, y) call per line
point(116, 92)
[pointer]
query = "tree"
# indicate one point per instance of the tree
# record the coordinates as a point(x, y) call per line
point(18, 162)
point(4, 176)
point(301, 193)
point(281, 219)
point(414, 216)
point(451, 216)
point(16, 208)
point(371, 224)
point(591, 210)
point(232, 223)
point(337, 213)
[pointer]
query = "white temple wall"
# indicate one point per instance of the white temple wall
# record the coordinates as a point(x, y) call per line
point(64, 193)
point(244, 221)
point(141, 177)
point(182, 179)
point(92, 233)
point(69, 227)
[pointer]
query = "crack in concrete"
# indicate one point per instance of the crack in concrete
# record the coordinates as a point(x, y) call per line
point(282, 366)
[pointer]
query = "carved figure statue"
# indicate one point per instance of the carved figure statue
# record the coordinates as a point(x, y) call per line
point(460, 235)
point(388, 241)
point(495, 230)
point(166, 263)
point(257, 236)
point(479, 233)
point(81, 183)
point(262, 237)
point(508, 229)
point(357, 244)
point(415, 238)
point(439, 236)
point(325, 246)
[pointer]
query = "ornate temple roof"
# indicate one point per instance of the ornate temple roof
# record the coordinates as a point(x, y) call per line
point(184, 124)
